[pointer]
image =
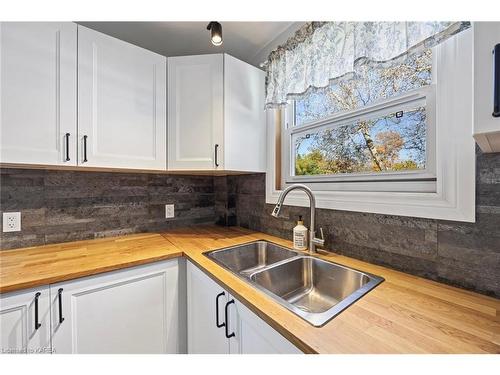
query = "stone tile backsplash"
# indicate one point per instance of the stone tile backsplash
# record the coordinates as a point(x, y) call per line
point(59, 206)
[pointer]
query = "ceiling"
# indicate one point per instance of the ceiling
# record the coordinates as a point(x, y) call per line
point(247, 41)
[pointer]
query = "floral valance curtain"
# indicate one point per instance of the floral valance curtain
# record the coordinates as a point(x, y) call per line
point(320, 52)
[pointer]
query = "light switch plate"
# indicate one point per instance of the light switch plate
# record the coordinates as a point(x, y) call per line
point(11, 221)
point(169, 211)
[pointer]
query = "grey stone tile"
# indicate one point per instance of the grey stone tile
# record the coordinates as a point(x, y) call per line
point(115, 232)
point(68, 236)
point(14, 240)
point(21, 197)
point(60, 206)
point(475, 277)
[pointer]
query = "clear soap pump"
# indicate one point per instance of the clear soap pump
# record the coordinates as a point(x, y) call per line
point(300, 235)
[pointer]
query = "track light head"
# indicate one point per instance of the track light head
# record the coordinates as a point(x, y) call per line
point(215, 33)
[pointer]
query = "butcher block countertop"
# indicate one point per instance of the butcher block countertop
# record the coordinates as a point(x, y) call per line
point(404, 314)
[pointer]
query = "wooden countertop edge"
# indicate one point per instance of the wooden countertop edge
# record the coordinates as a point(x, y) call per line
point(86, 272)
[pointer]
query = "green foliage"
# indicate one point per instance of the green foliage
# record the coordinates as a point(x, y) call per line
point(310, 164)
point(405, 165)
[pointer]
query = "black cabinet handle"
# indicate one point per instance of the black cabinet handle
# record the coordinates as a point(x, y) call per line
point(219, 325)
point(496, 81)
point(216, 156)
point(67, 146)
point(59, 296)
point(228, 335)
point(85, 149)
point(37, 324)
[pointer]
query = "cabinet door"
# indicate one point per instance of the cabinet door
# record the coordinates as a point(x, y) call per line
point(204, 299)
point(121, 104)
point(19, 314)
point(486, 126)
point(254, 336)
point(126, 311)
point(195, 112)
point(38, 93)
point(244, 116)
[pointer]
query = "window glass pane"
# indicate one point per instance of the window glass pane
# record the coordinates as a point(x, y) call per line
point(371, 82)
point(390, 142)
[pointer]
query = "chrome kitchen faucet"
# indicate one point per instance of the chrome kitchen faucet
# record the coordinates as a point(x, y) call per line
point(313, 240)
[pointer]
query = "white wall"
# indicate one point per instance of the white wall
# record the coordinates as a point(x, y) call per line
point(263, 53)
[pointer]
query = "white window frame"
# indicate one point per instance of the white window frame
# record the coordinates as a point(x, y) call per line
point(418, 181)
point(453, 197)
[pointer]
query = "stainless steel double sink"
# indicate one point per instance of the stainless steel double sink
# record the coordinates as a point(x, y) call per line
point(314, 289)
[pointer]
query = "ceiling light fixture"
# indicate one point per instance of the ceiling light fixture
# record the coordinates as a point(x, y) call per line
point(215, 33)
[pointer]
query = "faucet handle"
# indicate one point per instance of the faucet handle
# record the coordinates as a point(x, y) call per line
point(319, 241)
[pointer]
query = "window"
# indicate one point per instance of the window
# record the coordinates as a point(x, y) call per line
point(374, 126)
point(391, 139)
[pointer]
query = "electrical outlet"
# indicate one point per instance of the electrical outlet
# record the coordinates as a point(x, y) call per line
point(169, 211)
point(11, 221)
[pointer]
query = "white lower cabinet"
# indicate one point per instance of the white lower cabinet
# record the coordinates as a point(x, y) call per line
point(127, 311)
point(25, 321)
point(254, 336)
point(135, 310)
point(218, 323)
point(205, 314)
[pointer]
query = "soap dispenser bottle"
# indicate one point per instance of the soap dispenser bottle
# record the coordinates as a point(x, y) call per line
point(300, 235)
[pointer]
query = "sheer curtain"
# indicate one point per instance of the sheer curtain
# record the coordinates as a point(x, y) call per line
point(321, 52)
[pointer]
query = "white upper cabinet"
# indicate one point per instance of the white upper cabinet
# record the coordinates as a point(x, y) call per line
point(38, 92)
point(72, 96)
point(216, 118)
point(195, 112)
point(121, 104)
point(244, 117)
point(486, 126)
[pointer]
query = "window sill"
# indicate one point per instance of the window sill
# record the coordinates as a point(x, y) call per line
point(423, 205)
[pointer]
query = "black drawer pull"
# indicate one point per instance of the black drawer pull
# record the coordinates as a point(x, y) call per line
point(85, 149)
point(59, 296)
point(216, 156)
point(496, 81)
point(67, 146)
point(219, 325)
point(37, 324)
point(228, 335)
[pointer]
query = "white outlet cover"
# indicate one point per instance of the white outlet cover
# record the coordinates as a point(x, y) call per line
point(11, 221)
point(169, 211)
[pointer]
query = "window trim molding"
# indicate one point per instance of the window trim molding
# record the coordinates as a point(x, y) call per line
point(454, 198)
